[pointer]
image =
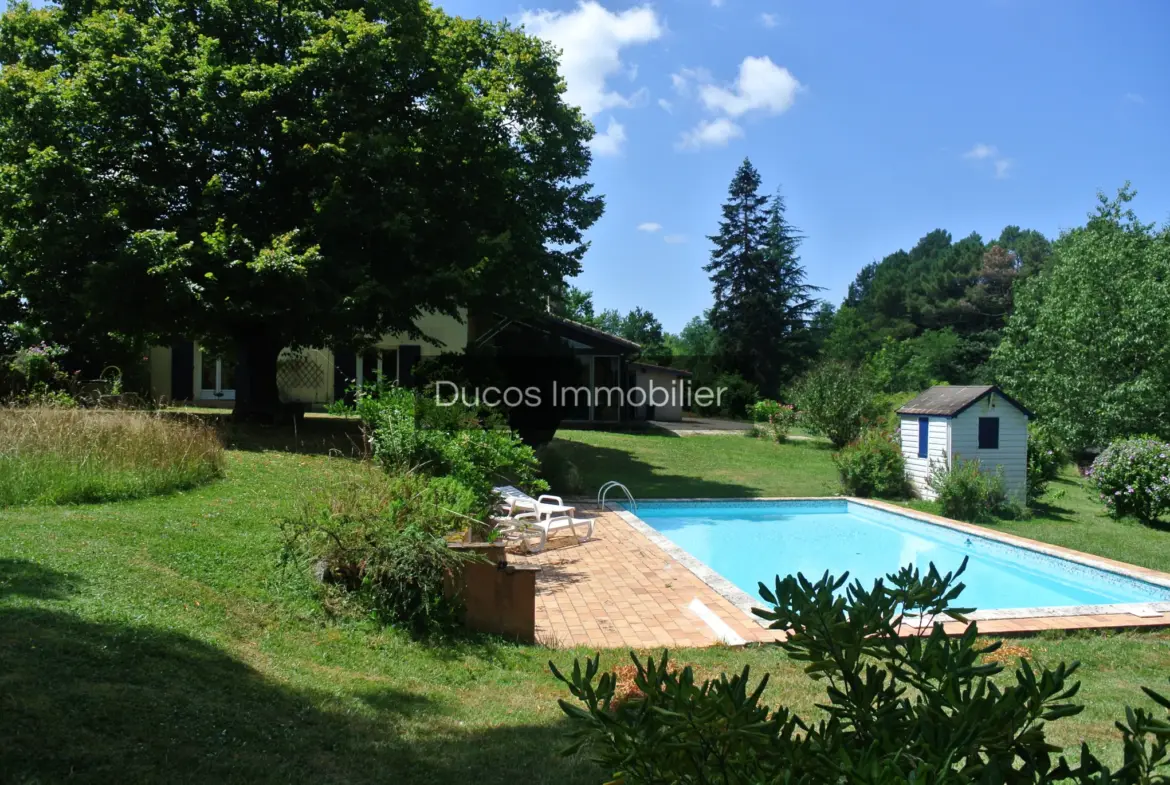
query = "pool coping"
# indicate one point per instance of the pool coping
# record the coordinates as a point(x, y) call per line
point(745, 602)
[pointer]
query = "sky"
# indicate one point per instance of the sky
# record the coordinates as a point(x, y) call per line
point(878, 122)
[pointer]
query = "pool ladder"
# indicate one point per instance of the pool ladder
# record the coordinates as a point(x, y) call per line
point(609, 486)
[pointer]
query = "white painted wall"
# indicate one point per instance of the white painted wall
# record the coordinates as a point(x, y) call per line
point(937, 449)
point(663, 380)
point(1012, 454)
point(446, 334)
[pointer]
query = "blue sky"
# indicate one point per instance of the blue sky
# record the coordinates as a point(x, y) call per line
point(879, 122)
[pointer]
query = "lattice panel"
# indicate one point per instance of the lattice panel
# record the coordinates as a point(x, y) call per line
point(303, 376)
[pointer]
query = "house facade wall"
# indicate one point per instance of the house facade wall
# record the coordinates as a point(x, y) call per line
point(937, 449)
point(159, 359)
point(1012, 454)
point(445, 334)
point(307, 375)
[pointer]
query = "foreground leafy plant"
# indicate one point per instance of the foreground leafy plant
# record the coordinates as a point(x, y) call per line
point(900, 708)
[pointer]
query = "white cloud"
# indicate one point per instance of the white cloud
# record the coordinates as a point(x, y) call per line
point(710, 133)
point(649, 226)
point(1135, 98)
point(989, 152)
point(665, 105)
point(610, 141)
point(769, 20)
point(682, 80)
point(761, 85)
point(675, 239)
point(981, 151)
point(591, 39)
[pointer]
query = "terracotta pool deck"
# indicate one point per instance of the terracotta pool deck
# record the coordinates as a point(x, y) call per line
point(621, 590)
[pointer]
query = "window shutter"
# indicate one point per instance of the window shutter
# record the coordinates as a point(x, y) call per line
point(408, 356)
point(344, 374)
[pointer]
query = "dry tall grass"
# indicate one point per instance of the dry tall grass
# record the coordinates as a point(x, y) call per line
point(64, 456)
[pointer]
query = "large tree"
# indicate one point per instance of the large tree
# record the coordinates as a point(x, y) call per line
point(762, 301)
point(264, 173)
point(1088, 344)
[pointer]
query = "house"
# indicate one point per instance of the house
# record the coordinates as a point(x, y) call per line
point(948, 423)
point(598, 391)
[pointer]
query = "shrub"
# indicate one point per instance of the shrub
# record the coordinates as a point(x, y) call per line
point(872, 466)
point(734, 397)
point(1132, 477)
point(61, 455)
point(409, 432)
point(775, 419)
point(561, 474)
point(378, 545)
point(899, 708)
point(1045, 457)
point(38, 365)
point(967, 493)
point(833, 400)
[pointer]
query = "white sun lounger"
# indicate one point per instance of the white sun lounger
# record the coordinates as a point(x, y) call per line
point(516, 501)
point(526, 524)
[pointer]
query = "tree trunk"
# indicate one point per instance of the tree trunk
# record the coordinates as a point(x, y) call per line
point(257, 399)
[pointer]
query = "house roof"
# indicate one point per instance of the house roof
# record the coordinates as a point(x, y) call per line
point(663, 368)
point(565, 328)
point(589, 330)
point(951, 400)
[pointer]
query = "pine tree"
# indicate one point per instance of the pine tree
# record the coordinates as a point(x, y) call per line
point(762, 301)
point(792, 297)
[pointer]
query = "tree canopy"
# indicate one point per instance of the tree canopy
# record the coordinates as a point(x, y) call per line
point(936, 312)
point(263, 173)
point(1088, 345)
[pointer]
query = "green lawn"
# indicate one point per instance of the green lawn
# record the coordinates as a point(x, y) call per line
point(158, 640)
point(655, 466)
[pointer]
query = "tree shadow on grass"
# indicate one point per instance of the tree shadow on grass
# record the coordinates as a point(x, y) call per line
point(23, 578)
point(1048, 509)
point(598, 465)
point(314, 435)
point(111, 702)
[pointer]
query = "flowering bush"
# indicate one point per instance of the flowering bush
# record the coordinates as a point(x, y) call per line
point(872, 466)
point(774, 418)
point(35, 372)
point(1133, 477)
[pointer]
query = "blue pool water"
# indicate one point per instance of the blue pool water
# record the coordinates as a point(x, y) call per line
point(752, 541)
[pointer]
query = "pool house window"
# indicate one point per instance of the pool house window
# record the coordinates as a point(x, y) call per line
point(988, 433)
point(923, 435)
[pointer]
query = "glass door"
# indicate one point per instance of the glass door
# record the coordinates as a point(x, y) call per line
point(217, 376)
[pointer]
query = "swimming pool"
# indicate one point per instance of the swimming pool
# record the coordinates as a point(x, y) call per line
point(746, 542)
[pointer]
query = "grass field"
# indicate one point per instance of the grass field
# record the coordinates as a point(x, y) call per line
point(158, 640)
